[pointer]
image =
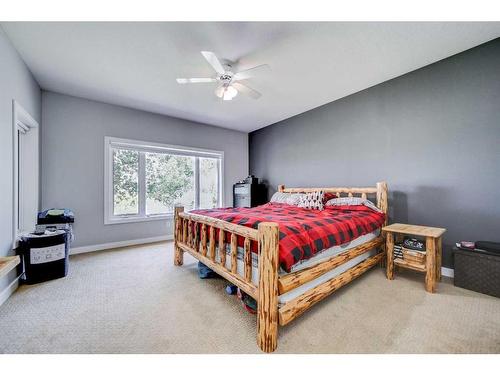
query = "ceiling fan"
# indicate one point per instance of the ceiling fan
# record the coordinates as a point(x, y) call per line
point(229, 81)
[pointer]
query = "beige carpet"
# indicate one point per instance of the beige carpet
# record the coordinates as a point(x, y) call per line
point(133, 300)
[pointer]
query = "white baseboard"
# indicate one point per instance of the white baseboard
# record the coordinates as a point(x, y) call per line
point(448, 272)
point(112, 245)
point(11, 288)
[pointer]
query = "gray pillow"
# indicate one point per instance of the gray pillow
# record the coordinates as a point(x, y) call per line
point(287, 198)
point(352, 201)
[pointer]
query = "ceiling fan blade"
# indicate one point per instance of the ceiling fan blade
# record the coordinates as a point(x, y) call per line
point(214, 61)
point(246, 90)
point(245, 74)
point(195, 80)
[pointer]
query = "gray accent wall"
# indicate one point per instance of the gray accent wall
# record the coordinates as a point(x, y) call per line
point(73, 159)
point(432, 134)
point(16, 82)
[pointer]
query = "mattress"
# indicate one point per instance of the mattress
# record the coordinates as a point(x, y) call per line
point(325, 254)
point(335, 250)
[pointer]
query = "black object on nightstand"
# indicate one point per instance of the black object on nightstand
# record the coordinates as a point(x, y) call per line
point(249, 193)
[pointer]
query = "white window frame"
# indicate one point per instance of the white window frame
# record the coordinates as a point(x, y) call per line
point(137, 145)
point(24, 216)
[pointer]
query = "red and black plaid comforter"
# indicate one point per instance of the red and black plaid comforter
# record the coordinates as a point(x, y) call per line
point(304, 232)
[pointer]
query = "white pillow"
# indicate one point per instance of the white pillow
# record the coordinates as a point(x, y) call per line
point(313, 201)
point(352, 201)
point(287, 198)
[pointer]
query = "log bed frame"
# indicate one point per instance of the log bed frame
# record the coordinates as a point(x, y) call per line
point(201, 245)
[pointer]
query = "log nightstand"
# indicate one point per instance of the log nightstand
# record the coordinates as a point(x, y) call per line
point(433, 245)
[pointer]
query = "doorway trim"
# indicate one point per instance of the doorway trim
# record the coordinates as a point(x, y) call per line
point(23, 122)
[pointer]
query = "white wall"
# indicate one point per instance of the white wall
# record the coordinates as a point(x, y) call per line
point(73, 159)
point(16, 82)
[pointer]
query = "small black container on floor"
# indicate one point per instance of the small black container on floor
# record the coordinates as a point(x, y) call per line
point(477, 270)
point(44, 256)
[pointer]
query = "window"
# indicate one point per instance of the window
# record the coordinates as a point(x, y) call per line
point(144, 180)
point(25, 166)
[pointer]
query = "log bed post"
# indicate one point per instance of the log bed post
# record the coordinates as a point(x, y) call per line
point(267, 304)
point(383, 204)
point(382, 199)
point(178, 252)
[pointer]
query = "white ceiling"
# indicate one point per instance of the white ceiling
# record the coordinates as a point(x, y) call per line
point(135, 64)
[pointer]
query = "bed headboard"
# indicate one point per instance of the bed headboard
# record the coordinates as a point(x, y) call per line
point(380, 192)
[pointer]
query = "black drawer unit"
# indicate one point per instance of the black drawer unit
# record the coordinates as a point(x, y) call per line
point(249, 195)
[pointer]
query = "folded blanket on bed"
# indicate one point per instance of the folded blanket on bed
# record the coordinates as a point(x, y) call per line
point(303, 232)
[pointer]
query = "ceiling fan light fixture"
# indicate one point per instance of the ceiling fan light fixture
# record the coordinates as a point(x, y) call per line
point(229, 93)
point(229, 84)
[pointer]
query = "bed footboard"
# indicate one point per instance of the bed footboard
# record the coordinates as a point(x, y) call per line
point(197, 235)
point(206, 238)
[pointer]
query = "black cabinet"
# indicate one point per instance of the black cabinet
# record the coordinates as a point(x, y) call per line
point(249, 195)
point(477, 270)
